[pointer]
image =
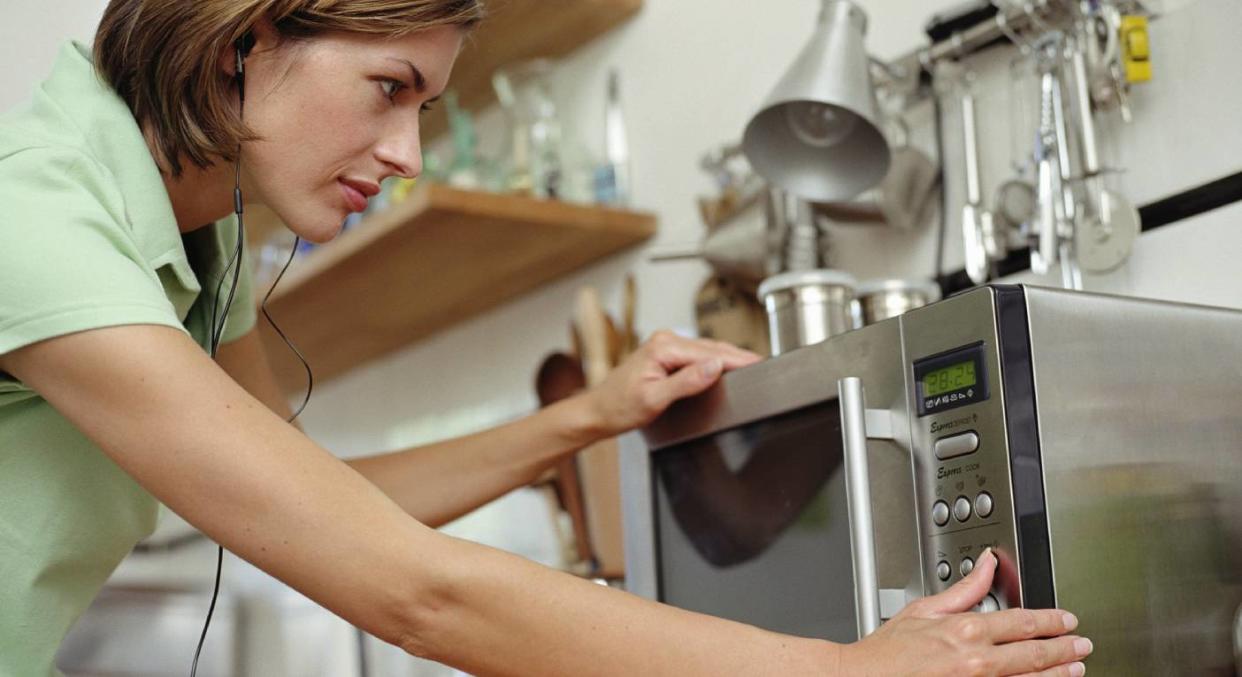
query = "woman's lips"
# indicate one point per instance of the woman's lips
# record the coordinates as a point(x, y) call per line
point(357, 201)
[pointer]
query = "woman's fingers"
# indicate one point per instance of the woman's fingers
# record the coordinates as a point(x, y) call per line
point(1040, 654)
point(964, 594)
point(674, 352)
point(691, 379)
point(1077, 669)
point(1013, 625)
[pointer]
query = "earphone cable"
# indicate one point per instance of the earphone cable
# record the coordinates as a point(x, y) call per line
point(216, 334)
point(217, 329)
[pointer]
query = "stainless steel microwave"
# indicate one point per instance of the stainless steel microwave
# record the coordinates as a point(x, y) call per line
point(1095, 442)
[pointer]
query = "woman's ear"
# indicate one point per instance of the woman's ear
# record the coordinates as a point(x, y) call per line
point(244, 44)
point(262, 35)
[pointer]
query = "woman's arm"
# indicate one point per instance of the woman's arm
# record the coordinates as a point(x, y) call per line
point(173, 420)
point(439, 482)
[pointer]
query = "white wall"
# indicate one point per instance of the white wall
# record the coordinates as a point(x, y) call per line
point(32, 32)
point(692, 71)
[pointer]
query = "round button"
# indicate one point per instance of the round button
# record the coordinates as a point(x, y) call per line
point(983, 504)
point(968, 565)
point(940, 513)
point(943, 570)
point(961, 508)
point(989, 604)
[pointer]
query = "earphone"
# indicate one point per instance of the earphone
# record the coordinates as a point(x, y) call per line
point(242, 47)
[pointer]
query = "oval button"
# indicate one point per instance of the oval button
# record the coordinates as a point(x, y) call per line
point(940, 513)
point(957, 445)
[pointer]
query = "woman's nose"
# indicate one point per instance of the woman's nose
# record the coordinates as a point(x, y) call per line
point(403, 151)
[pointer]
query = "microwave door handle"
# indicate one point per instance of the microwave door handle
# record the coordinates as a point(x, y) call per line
point(858, 424)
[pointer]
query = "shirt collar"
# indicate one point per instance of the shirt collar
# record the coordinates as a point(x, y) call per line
point(114, 138)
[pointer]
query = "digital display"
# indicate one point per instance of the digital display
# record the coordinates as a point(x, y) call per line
point(950, 378)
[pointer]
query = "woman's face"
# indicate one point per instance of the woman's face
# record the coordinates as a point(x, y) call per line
point(337, 115)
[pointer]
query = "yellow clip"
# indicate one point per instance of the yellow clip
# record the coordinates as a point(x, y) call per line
point(1135, 49)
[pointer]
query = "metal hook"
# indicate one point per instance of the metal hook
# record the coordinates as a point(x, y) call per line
point(959, 45)
point(1002, 22)
point(1028, 8)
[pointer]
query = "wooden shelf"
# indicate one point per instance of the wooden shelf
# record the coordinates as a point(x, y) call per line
point(440, 257)
point(517, 30)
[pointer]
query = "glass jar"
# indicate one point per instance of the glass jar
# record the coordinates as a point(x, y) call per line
point(541, 156)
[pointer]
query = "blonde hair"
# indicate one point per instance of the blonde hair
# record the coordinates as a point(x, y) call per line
point(161, 57)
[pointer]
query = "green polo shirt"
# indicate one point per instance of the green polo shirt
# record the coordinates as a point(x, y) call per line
point(87, 240)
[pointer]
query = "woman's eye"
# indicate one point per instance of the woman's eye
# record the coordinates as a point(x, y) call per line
point(391, 87)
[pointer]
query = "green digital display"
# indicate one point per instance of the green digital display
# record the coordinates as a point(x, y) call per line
point(948, 379)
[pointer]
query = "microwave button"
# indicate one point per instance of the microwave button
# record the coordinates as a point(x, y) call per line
point(957, 445)
point(940, 513)
point(943, 570)
point(983, 504)
point(961, 508)
point(968, 565)
point(989, 604)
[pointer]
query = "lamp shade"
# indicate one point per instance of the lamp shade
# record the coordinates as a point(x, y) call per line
point(818, 134)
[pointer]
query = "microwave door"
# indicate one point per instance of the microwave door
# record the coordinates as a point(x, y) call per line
point(736, 505)
point(750, 525)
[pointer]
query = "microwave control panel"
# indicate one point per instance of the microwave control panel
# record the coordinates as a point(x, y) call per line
point(961, 458)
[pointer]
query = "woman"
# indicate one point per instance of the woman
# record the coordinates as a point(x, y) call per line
point(109, 402)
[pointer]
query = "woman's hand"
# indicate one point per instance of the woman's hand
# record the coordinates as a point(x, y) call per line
point(940, 636)
point(664, 369)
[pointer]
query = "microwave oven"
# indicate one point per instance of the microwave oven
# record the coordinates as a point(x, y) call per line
point(1095, 442)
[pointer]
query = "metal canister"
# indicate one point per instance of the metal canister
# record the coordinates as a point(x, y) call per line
point(880, 300)
point(806, 307)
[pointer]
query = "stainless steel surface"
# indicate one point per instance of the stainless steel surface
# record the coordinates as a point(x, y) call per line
point(976, 220)
point(880, 300)
point(1016, 201)
point(1141, 441)
point(1071, 276)
point(964, 320)
point(807, 307)
point(905, 199)
point(1110, 224)
point(739, 249)
point(773, 388)
point(818, 134)
point(637, 516)
point(1122, 416)
point(1049, 190)
point(858, 502)
point(903, 72)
